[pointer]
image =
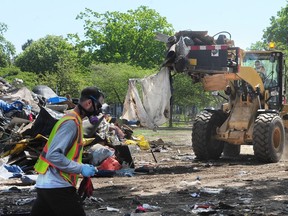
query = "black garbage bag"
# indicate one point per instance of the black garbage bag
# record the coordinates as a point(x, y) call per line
point(44, 122)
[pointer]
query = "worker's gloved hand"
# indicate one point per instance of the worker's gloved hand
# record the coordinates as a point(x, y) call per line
point(88, 170)
point(86, 188)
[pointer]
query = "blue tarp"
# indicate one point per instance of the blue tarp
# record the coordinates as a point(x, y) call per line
point(55, 100)
point(6, 107)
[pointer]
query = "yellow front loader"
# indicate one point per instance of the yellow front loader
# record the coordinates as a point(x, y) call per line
point(253, 83)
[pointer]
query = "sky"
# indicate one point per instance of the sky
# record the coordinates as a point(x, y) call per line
point(245, 20)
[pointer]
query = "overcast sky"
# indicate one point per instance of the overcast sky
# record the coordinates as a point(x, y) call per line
point(245, 19)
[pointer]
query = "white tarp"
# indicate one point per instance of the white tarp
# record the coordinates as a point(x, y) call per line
point(154, 108)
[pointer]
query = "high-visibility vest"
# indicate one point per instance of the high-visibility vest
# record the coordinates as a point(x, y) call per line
point(74, 153)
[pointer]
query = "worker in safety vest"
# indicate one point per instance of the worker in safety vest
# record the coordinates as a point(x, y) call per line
point(60, 162)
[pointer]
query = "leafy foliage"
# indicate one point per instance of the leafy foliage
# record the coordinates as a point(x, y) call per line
point(42, 55)
point(7, 49)
point(186, 93)
point(10, 73)
point(124, 37)
point(113, 78)
point(69, 78)
point(278, 30)
point(258, 45)
point(27, 43)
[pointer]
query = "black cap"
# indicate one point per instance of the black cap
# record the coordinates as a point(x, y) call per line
point(89, 92)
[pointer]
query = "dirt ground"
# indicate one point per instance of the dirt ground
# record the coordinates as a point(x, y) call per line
point(179, 185)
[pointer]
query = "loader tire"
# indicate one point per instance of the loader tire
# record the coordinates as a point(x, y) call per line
point(204, 145)
point(231, 150)
point(268, 137)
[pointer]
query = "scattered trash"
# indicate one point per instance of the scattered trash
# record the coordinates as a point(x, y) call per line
point(204, 208)
point(140, 209)
point(208, 165)
point(144, 214)
point(245, 200)
point(195, 195)
point(183, 157)
point(222, 205)
point(151, 207)
point(4, 173)
point(110, 209)
point(133, 188)
point(242, 173)
point(189, 184)
point(211, 190)
point(142, 142)
point(146, 208)
point(125, 172)
point(110, 163)
point(12, 190)
point(95, 199)
point(100, 153)
point(25, 201)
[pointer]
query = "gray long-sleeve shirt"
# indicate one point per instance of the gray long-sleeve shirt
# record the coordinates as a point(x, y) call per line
point(63, 140)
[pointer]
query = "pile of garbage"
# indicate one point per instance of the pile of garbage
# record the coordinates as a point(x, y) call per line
point(27, 118)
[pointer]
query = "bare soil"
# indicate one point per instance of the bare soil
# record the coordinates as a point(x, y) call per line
point(180, 185)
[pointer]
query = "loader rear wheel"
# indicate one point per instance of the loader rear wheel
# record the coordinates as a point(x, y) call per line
point(204, 145)
point(268, 137)
point(231, 150)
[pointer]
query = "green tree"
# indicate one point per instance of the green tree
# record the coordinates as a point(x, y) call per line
point(7, 49)
point(115, 37)
point(187, 93)
point(43, 55)
point(113, 78)
point(259, 45)
point(27, 44)
point(10, 73)
point(69, 78)
point(278, 29)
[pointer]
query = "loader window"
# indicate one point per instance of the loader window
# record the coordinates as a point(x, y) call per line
point(268, 63)
point(272, 76)
point(267, 69)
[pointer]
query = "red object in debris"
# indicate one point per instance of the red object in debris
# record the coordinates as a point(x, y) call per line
point(110, 163)
point(86, 188)
point(30, 117)
point(140, 209)
point(205, 206)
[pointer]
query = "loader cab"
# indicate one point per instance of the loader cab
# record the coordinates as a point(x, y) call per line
point(269, 65)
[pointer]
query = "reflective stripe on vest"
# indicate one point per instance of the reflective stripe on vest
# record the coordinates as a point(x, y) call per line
point(74, 153)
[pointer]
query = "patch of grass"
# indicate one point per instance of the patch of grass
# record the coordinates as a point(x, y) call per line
point(171, 135)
